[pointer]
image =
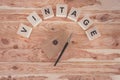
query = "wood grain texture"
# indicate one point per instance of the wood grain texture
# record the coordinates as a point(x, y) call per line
point(61, 77)
point(104, 16)
point(27, 59)
point(108, 40)
point(72, 68)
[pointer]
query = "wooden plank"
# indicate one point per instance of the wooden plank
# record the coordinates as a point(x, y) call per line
point(70, 55)
point(60, 77)
point(86, 4)
point(7, 68)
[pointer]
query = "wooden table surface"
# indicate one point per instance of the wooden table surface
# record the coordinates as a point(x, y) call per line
point(26, 59)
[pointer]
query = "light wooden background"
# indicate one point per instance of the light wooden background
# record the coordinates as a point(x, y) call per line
point(24, 59)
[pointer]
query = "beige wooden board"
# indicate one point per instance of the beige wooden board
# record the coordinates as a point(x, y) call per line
point(27, 59)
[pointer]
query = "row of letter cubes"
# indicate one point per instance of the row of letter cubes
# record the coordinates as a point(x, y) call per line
point(61, 11)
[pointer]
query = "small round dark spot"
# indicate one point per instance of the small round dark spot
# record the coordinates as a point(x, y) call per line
point(42, 51)
point(15, 46)
point(73, 42)
point(52, 28)
point(117, 44)
point(105, 17)
point(5, 41)
point(9, 77)
point(12, 4)
point(14, 67)
point(55, 42)
point(95, 57)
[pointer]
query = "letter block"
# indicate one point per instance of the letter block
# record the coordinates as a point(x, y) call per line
point(24, 30)
point(61, 10)
point(47, 12)
point(85, 22)
point(93, 33)
point(34, 19)
point(74, 14)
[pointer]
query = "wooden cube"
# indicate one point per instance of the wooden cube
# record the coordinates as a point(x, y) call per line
point(34, 19)
point(47, 12)
point(74, 14)
point(93, 33)
point(85, 22)
point(24, 30)
point(61, 10)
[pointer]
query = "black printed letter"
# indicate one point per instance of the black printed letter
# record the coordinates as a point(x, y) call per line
point(61, 9)
point(47, 11)
point(74, 13)
point(86, 22)
point(93, 33)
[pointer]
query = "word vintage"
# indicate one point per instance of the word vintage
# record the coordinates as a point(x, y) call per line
point(61, 11)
